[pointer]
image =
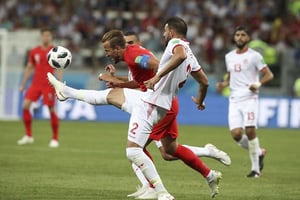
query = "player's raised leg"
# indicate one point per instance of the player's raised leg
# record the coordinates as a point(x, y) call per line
point(189, 158)
point(64, 92)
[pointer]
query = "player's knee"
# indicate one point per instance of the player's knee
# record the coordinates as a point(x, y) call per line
point(167, 157)
point(133, 153)
point(237, 134)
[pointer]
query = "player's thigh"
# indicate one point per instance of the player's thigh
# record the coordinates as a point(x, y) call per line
point(32, 94)
point(250, 112)
point(235, 116)
point(48, 96)
point(166, 126)
point(141, 122)
point(132, 98)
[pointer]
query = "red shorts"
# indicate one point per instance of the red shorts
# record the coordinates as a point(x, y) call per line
point(33, 93)
point(167, 125)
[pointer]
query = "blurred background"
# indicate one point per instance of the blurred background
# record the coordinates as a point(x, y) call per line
point(80, 24)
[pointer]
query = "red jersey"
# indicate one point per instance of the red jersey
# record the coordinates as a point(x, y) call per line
point(131, 57)
point(38, 58)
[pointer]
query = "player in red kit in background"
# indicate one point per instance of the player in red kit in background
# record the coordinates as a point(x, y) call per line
point(38, 63)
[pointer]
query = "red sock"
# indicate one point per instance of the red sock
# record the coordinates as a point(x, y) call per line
point(149, 155)
point(27, 120)
point(54, 125)
point(189, 158)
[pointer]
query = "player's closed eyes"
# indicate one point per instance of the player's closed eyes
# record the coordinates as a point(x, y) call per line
point(130, 42)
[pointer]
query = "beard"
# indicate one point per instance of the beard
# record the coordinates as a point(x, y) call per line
point(167, 39)
point(240, 45)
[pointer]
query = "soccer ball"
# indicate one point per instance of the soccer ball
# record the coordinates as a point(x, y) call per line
point(59, 57)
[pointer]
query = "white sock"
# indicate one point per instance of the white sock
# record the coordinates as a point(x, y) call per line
point(199, 151)
point(244, 142)
point(254, 154)
point(140, 159)
point(94, 97)
point(140, 175)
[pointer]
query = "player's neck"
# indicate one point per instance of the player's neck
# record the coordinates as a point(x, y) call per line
point(45, 46)
point(242, 50)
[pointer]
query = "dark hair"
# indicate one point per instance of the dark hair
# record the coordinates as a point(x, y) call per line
point(127, 33)
point(242, 28)
point(132, 33)
point(115, 38)
point(45, 29)
point(178, 25)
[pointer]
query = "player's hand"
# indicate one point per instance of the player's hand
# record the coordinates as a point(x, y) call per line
point(254, 86)
point(110, 85)
point(106, 77)
point(200, 106)
point(219, 86)
point(151, 82)
point(111, 69)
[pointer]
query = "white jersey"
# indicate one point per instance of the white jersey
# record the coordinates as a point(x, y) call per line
point(244, 70)
point(167, 88)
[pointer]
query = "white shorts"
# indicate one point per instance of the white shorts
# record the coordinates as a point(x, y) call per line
point(131, 97)
point(243, 113)
point(143, 117)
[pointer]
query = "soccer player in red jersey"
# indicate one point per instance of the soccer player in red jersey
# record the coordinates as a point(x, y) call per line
point(38, 63)
point(137, 57)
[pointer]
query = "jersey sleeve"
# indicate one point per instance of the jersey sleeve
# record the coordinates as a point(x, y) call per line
point(139, 56)
point(195, 66)
point(259, 61)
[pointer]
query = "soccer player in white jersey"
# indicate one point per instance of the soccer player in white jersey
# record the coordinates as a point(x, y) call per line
point(244, 65)
point(177, 62)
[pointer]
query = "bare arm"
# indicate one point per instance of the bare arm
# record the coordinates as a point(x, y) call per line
point(221, 85)
point(202, 79)
point(114, 81)
point(178, 57)
point(27, 73)
point(267, 76)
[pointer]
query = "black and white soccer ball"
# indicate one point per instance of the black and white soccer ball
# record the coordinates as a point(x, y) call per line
point(59, 57)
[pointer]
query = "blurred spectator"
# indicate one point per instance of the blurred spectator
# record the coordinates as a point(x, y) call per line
point(80, 24)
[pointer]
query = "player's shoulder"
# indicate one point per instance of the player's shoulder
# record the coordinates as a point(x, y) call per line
point(135, 48)
point(254, 53)
point(230, 53)
point(36, 48)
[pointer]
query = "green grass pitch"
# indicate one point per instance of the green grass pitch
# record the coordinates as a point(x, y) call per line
point(91, 164)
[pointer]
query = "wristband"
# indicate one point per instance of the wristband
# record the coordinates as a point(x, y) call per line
point(256, 84)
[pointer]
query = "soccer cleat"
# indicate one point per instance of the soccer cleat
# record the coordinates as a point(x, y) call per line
point(165, 196)
point(218, 154)
point(213, 183)
point(253, 174)
point(150, 193)
point(53, 144)
point(139, 191)
point(261, 159)
point(58, 86)
point(25, 140)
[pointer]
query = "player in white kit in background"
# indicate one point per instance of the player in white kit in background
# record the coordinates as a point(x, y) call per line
point(244, 66)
